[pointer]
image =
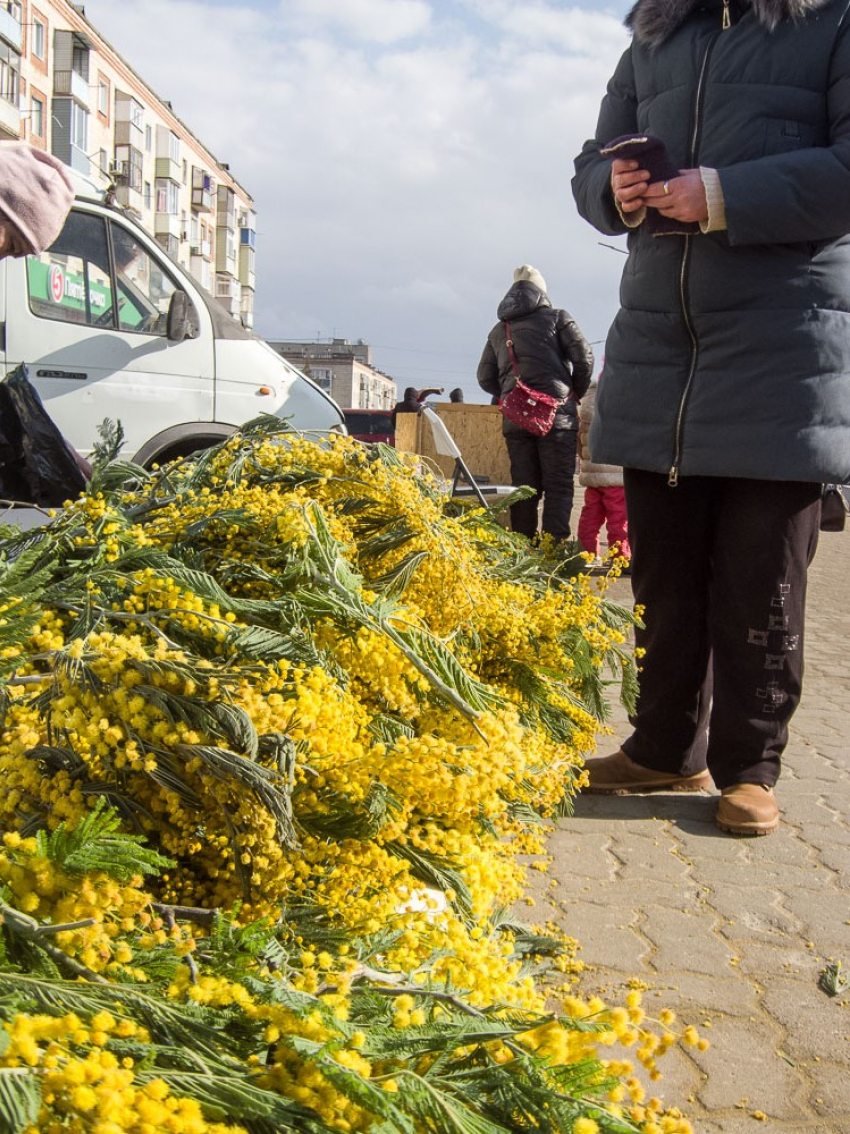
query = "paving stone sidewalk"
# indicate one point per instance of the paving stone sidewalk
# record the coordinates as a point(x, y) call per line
point(733, 933)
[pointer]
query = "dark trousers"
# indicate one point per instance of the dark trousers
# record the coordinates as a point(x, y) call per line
point(548, 465)
point(719, 566)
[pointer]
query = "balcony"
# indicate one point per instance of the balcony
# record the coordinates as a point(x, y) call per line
point(169, 169)
point(77, 158)
point(225, 208)
point(228, 293)
point(129, 199)
point(127, 175)
point(230, 305)
point(246, 266)
point(201, 200)
point(202, 191)
point(201, 271)
point(167, 224)
point(10, 30)
point(225, 258)
point(10, 119)
point(129, 134)
point(201, 248)
point(129, 120)
point(127, 168)
point(225, 223)
point(71, 84)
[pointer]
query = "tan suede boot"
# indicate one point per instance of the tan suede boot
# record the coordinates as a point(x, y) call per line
point(747, 809)
point(618, 775)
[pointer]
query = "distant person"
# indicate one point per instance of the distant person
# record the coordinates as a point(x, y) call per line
point(604, 495)
point(409, 403)
point(553, 358)
point(36, 194)
point(456, 395)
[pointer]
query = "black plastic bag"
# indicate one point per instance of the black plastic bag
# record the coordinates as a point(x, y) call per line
point(37, 465)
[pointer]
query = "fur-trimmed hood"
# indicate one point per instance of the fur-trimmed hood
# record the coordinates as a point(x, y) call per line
point(652, 21)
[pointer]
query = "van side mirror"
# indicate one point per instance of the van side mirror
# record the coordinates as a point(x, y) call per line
point(180, 322)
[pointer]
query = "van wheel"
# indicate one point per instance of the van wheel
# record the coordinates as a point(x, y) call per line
point(182, 449)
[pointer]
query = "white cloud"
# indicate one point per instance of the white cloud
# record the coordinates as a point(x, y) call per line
point(376, 21)
point(403, 156)
point(552, 26)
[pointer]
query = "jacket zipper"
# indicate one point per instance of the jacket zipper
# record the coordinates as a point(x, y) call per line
point(673, 476)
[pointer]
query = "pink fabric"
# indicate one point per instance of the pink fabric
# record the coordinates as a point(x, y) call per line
point(604, 506)
point(36, 193)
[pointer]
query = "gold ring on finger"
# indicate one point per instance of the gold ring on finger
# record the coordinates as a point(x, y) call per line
point(666, 188)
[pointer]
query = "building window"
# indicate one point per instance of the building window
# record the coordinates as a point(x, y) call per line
point(167, 197)
point(79, 127)
point(148, 195)
point(104, 161)
point(80, 60)
point(148, 138)
point(39, 38)
point(103, 98)
point(37, 119)
point(10, 79)
point(128, 167)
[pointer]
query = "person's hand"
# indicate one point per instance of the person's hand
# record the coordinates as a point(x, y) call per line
point(629, 183)
point(682, 198)
point(12, 241)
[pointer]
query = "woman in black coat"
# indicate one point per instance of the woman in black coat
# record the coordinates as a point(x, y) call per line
point(554, 358)
point(726, 388)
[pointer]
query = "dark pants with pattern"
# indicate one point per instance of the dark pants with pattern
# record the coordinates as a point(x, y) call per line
point(548, 465)
point(720, 567)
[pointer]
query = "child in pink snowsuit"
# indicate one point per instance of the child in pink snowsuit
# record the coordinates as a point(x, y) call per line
point(604, 496)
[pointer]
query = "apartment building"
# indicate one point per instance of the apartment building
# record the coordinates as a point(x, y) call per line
point(65, 89)
point(344, 369)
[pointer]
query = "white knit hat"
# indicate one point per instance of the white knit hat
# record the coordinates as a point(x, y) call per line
point(526, 272)
point(35, 193)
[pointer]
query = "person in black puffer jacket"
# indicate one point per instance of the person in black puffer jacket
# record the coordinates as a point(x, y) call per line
point(554, 358)
point(726, 388)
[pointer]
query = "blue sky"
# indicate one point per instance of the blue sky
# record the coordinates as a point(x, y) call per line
point(404, 156)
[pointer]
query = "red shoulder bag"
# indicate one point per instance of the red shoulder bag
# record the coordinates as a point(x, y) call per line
point(532, 410)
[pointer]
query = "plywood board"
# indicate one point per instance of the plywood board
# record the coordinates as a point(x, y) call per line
point(477, 431)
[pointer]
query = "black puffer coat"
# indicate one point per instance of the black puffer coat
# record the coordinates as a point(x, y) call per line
point(730, 355)
point(552, 354)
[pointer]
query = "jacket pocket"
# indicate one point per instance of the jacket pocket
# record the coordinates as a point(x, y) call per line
point(785, 135)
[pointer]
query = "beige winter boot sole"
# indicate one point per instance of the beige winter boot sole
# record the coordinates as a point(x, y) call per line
point(618, 775)
point(747, 809)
